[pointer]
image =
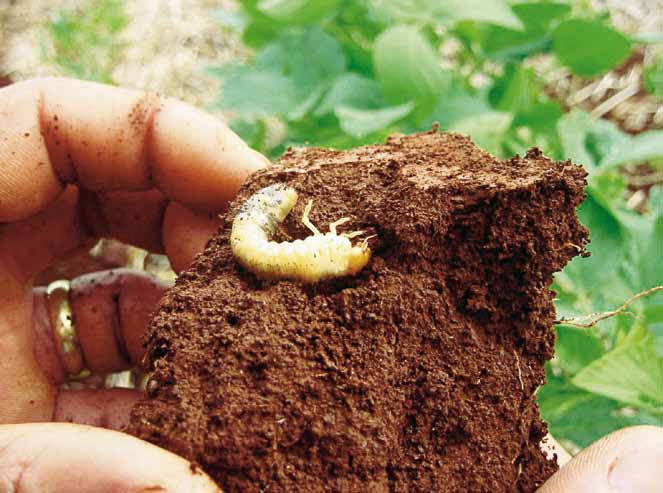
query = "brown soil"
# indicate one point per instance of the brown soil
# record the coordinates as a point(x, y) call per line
point(418, 374)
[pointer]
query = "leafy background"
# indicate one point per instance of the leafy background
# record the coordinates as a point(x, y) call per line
point(342, 73)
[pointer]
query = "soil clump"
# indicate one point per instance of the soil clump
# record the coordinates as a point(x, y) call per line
point(416, 375)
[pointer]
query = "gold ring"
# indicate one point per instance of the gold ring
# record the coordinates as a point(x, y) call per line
point(63, 329)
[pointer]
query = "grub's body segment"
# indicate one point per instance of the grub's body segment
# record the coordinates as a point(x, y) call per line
point(315, 258)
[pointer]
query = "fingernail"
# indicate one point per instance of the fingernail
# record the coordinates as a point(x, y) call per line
point(640, 471)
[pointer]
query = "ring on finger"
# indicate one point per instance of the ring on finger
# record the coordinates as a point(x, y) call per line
point(64, 330)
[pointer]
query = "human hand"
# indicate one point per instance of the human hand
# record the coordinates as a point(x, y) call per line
point(80, 160)
point(626, 461)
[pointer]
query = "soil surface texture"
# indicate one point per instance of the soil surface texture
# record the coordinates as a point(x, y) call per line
point(416, 375)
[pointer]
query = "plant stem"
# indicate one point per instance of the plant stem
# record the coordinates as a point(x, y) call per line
point(597, 317)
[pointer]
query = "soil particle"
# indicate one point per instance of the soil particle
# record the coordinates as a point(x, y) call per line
point(416, 375)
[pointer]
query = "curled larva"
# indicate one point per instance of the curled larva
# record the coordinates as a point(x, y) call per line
point(315, 258)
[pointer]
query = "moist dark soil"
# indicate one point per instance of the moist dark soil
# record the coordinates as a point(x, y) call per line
point(416, 375)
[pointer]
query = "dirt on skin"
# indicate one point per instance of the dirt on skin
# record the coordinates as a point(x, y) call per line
point(416, 375)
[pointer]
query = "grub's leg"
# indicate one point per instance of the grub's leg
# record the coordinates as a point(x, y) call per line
point(353, 234)
point(332, 226)
point(307, 222)
point(364, 242)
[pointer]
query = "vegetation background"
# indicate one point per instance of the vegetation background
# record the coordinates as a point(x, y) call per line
point(582, 80)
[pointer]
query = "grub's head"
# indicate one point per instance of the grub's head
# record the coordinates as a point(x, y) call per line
point(358, 258)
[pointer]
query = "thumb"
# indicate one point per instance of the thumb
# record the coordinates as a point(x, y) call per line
point(68, 458)
point(626, 461)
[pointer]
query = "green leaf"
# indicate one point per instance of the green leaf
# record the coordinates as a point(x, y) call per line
point(251, 132)
point(517, 90)
point(575, 348)
point(291, 75)
point(315, 57)
point(631, 373)
point(589, 141)
point(653, 315)
point(326, 132)
point(640, 148)
point(653, 78)
point(509, 44)
point(606, 245)
point(589, 48)
point(296, 11)
point(304, 106)
point(257, 33)
point(260, 29)
point(309, 57)
point(359, 122)
point(655, 202)
point(651, 262)
point(351, 90)
point(273, 58)
point(608, 189)
point(489, 11)
point(408, 68)
point(458, 104)
point(574, 415)
point(256, 94)
point(486, 130)
point(543, 117)
point(573, 128)
point(355, 27)
point(537, 16)
point(602, 137)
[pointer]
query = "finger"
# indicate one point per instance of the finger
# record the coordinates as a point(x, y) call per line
point(57, 131)
point(629, 460)
point(77, 217)
point(26, 394)
point(67, 458)
point(185, 234)
point(134, 218)
point(29, 182)
point(110, 312)
point(106, 408)
point(196, 160)
point(30, 246)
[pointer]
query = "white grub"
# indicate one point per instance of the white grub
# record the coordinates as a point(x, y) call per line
point(315, 258)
